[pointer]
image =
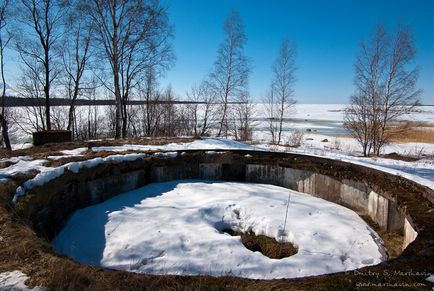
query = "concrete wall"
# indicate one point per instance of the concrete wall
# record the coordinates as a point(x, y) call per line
point(354, 195)
point(210, 171)
point(351, 194)
point(94, 188)
point(107, 187)
point(378, 209)
point(409, 233)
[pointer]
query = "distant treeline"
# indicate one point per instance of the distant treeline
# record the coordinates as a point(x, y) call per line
point(23, 102)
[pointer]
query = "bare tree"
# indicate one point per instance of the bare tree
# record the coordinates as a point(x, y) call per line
point(36, 39)
point(195, 96)
point(75, 58)
point(3, 44)
point(270, 106)
point(279, 101)
point(201, 110)
point(359, 123)
point(167, 125)
point(244, 113)
point(386, 90)
point(31, 86)
point(400, 91)
point(362, 115)
point(133, 36)
point(229, 78)
point(151, 96)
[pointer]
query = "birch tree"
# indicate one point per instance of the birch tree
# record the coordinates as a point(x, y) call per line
point(229, 78)
point(400, 93)
point(280, 101)
point(385, 81)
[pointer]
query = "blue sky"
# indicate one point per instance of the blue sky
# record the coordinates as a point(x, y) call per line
point(327, 34)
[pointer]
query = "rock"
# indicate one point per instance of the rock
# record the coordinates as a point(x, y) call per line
point(325, 140)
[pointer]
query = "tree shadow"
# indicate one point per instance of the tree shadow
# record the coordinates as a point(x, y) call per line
point(84, 237)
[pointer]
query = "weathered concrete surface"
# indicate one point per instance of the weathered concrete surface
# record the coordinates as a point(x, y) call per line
point(378, 209)
point(395, 219)
point(105, 188)
point(354, 195)
point(96, 185)
point(210, 171)
point(409, 234)
point(267, 174)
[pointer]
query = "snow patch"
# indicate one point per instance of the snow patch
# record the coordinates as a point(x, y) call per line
point(78, 152)
point(203, 144)
point(15, 280)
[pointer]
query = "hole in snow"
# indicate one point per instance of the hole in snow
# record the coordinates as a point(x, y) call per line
point(267, 246)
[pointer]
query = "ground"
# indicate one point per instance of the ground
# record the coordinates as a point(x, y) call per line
point(49, 160)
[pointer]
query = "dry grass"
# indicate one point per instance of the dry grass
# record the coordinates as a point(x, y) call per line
point(266, 245)
point(415, 135)
point(53, 149)
point(392, 241)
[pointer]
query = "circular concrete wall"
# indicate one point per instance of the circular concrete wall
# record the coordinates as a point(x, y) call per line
point(396, 205)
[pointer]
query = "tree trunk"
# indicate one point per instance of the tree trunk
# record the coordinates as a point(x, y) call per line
point(223, 121)
point(124, 118)
point(47, 89)
point(118, 102)
point(4, 123)
point(5, 134)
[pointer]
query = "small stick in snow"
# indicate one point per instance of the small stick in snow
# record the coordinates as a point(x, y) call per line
point(283, 232)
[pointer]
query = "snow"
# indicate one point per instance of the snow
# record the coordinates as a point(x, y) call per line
point(176, 228)
point(430, 279)
point(16, 159)
point(203, 144)
point(335, 112)
point(74, 152)
point(15, 280)
point(22, 165)
point(336, 148)
point(78, 152)
point(21, 146)
point(343, 149)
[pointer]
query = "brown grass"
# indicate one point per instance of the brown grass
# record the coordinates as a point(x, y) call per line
point(415, 135)
point(392, 241)
point(55, 148)
point(268, 246)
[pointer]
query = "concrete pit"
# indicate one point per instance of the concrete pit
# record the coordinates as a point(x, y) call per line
point(395, 205)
